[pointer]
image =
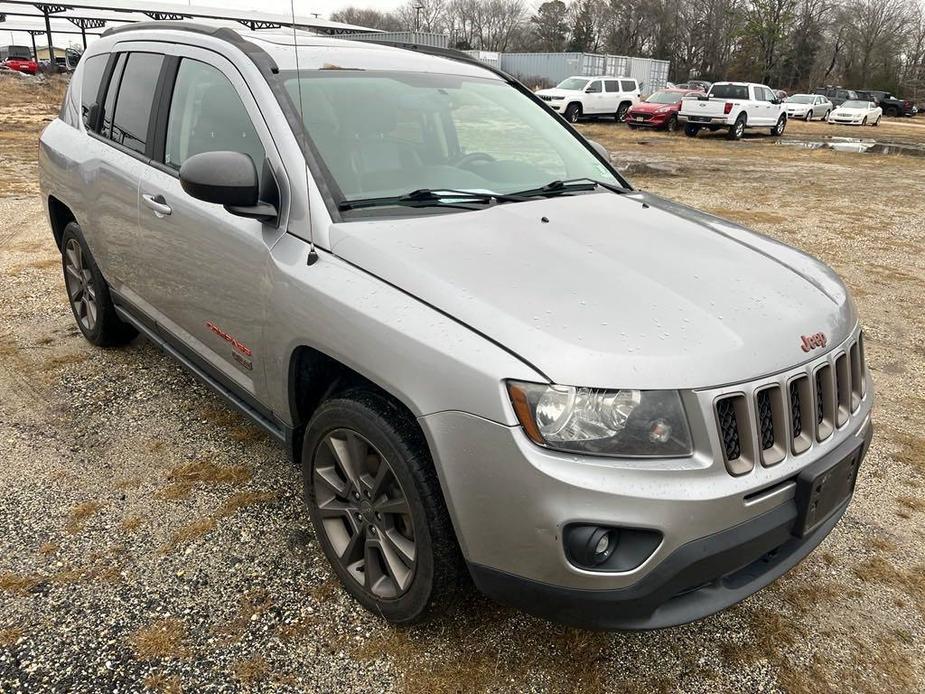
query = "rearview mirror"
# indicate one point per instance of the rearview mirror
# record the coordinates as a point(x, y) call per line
point(228, 179)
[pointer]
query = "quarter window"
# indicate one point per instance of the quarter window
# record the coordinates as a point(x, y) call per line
point(628, 85)
point(133, 104)
point(93, 69)
point(612, 85)
point(207, 115)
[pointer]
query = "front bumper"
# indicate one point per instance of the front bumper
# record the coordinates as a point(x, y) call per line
point(648, 120)
point(698, 579)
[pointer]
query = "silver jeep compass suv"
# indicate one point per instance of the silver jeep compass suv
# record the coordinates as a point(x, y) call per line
point(488, 352)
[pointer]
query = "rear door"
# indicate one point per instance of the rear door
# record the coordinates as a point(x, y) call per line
point(612, 94)
point(207, 282)
point(595, 98)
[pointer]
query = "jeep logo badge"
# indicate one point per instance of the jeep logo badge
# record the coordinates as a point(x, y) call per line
point(810, 342)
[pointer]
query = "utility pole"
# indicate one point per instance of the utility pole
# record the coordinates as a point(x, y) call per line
point(417, 16)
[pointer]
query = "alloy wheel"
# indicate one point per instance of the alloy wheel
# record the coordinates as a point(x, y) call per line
point(81, 289)
point(365, 514)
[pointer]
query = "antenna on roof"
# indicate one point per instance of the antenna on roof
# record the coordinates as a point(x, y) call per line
point(312, 254)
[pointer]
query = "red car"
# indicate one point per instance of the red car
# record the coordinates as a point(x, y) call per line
point(27, 65)
point(660, 110)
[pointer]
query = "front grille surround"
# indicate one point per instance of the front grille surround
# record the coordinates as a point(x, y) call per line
point(787, 414)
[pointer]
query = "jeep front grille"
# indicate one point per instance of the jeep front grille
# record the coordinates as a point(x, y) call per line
point(785, 418)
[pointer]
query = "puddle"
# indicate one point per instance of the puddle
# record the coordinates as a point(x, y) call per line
point(857, 146)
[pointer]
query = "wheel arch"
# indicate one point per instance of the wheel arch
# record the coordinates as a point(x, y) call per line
point(60, 215)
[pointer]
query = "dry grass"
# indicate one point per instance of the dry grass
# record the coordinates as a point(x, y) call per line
point(912, 503)
point(205, 471)
point(80, 514)
point(46, 549)
point(203, 526)
point(63, 360)
point(882, 544)
point(163, 638)
point(130, 524)
point(10, 635)
point(240, 500)
point(909, 581)
point(250, 671)
point(18, 583)
point(174, 492)
point(190, 533)
point(163, 684)
point(250, 607)
point(811, 595)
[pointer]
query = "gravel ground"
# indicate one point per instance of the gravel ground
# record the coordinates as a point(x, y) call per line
point(152, 540)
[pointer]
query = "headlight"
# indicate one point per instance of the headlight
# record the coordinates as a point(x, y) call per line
point(631, 423)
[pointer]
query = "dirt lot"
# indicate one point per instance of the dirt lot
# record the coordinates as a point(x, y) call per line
point(151, 539)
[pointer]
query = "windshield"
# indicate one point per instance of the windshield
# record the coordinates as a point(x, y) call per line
point(801, 99)
point(573, 84)
point(383, 134)
point(729, 91)
point(664, 98)
point(855, 104)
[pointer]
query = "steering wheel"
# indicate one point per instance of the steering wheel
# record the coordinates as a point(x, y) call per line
point(472, 158)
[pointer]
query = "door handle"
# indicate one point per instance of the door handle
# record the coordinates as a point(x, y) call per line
point(158, 204)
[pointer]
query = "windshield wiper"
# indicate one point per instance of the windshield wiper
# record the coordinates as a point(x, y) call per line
point(426, 197)
point(572, 184)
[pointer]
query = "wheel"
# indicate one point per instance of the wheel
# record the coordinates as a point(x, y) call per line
point(691, 130)
point(88, 293)
point(737, 129)
point(809, 116)
point(778, 129)
point(877, 122)
point(572, 112)
point(826, 116)
point(864, 122)
point(376, 506)
point(672, 124)
point(620, 115)
point(892, 111)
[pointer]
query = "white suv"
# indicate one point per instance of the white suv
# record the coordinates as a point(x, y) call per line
point(592, 96)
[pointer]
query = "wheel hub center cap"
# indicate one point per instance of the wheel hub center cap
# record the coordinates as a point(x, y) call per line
point(366, 510)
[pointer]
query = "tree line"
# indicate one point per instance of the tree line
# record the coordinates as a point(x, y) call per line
point(788, 44)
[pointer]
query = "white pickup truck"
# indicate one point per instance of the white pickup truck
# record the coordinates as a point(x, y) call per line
point(734, 106)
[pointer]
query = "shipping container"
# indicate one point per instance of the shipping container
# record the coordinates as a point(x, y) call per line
point(490, 58)
point(548, 69)
point(417, 38)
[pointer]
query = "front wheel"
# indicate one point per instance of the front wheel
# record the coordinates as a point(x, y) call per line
point(737, 129)
point(88, 293)
point(572, 112)
point(809, 116)
point(620, 115)
point(864, 122)
point(376, 506)
point(778, 129)
point(877, 122)
point(691, 130)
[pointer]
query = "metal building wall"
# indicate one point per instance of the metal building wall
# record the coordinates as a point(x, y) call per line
point(419, 38)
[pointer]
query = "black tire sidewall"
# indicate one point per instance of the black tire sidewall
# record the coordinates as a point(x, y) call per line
point(691, 130)
point(620, 115)
point(734, 133)
point(572, 113)
point(672, 124)
point(364, 413)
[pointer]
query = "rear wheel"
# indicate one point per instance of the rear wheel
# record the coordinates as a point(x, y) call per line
point(88, 293)
point(737, 129)
point(892, 111)
point(572, 112)
point(672, 124)
point(877, 122)
point(620, 115)
point(691, 130)
point(376, 506)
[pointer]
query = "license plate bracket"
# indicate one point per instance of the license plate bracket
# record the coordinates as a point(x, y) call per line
point(821, 489)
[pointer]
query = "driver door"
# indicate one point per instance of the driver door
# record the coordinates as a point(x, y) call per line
point(595, 99)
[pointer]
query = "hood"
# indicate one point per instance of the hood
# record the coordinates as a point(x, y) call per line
point(558, 93)
point(610, 293)
point(798, 107)
point(645, 107)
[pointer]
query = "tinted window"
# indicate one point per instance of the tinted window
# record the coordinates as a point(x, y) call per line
point(90, 85)
point(133, 104)
point(207, 115)
point(628, 85)
point(612, 85)
point(729, 91)
point(109, 104)
point(594, 87)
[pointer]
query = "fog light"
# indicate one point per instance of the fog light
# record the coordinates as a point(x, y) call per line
point(591, 545)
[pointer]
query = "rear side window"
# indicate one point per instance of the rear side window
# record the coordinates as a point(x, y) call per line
point(729, 91)
point(207, 115)
point(612, 85)
point(135, 97)
point(93, 69)
point(628, 85)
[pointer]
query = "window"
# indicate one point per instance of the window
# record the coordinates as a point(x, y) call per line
point(90, 85)
point(767, 94)
point(109, 105)
point(594, 87)
point(207, 115)
point(134, 101)
point(729, 91)
point(612, 85)
point(628, 85)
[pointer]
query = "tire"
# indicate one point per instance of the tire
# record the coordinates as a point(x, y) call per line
point(778, 129)
point(672, 124)
point(892, 112)
point(864, 122)
point(809, 116)
point(88, 294)
point(691, 130)
point(620, 115)
point(572, 112)
point(877, 122)
point(737, 129)
point(367, 427)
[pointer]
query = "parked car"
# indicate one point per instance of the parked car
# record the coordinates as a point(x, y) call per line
point(837, 95)
point(18, 58)
point(699, 85)
point(577, 97)
point(734, 106)
point(808, 106)
point(856, 113)
point(660, 110)
point(891, 105)
point(424, 315)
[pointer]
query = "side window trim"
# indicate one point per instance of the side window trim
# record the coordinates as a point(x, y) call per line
point(163, 96)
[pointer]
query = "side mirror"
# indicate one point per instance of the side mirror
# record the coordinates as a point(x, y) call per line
point(228, 179)
point(600, 149)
